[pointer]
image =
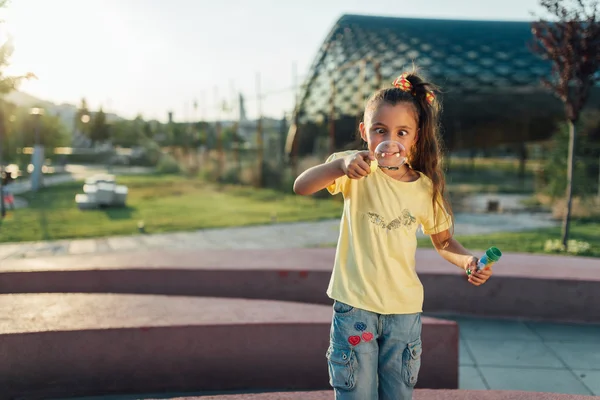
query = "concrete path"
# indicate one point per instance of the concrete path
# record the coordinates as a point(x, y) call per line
point(274, 236)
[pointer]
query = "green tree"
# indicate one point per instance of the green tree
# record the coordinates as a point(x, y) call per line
point(178, 135)
point(83, 118)
point(129, 133)
point(123, 134)
point(51, 130)
point(201, 130)
point(148, 129)
point(585, 169)
point(229, 136)
point(571, 42)
point(99, 129)
point(10, 140)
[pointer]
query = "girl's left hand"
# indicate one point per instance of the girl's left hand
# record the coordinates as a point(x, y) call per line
point(477, 278)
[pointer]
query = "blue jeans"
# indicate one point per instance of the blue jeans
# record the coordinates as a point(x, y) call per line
point(373, 356)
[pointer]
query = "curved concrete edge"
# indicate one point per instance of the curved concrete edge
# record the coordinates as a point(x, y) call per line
point(298, 259)
point(420, 394)
point(568, 292)
point(510, 297)
point(272, 346)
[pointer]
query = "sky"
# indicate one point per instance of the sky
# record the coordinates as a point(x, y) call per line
point(150, 57)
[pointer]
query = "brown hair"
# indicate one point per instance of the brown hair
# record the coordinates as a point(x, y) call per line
point(427, 154)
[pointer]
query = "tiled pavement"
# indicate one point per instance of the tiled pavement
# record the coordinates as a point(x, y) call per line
point(530, 356)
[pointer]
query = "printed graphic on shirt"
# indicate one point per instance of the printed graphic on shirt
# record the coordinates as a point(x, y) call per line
point(406, 220)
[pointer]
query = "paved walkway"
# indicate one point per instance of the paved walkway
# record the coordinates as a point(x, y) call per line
point(274, 236)
point(530, 356)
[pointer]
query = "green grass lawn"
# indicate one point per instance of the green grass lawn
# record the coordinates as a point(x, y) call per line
point(526, 242)
point(174, 203)
point(164, 203)
point(532, 241)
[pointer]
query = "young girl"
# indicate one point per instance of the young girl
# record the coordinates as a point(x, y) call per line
point(375, 344)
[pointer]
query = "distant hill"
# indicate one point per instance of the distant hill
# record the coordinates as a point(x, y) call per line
point(66, 112)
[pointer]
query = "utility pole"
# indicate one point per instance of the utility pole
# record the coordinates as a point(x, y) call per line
point(218, 134)
point(2, 171)
point(38, 151)
point(259, 133)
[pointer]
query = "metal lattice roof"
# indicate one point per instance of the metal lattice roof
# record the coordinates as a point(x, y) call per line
point(462, 57)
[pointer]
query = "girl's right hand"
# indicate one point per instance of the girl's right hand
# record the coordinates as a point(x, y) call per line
point(358, 165)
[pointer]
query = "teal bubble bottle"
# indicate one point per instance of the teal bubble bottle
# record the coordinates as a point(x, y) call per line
point(491, 256)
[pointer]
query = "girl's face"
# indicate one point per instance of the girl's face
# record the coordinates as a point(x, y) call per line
point(388, 122)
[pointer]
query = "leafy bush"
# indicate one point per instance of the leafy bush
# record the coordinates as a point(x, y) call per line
point(167, 165)
point(573, 246)
point(553, 176)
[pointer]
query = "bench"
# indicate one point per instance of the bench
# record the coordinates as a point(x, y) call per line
point(101, 191)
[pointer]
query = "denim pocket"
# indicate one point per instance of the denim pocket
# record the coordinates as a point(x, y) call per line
point(341, 362)
point(411, 359)
point(342, 308)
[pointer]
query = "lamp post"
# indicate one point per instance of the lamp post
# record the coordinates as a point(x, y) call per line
point(37, 158)
point(2, 173)
point(82, 129)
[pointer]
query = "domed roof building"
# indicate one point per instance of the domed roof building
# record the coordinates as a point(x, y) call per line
point(490, 81)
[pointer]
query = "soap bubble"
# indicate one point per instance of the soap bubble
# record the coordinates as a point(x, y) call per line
point(390, 154)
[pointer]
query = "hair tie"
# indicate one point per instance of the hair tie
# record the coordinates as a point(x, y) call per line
point(404, 84)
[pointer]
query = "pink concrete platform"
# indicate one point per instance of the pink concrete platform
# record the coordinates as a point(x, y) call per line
point(543, 287)
point(422, 394)
point(62, 345)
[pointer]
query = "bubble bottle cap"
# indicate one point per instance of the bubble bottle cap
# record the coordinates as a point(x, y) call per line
point(493, 254)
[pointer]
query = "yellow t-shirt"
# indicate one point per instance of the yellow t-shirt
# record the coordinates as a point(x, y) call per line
point(375, 258)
